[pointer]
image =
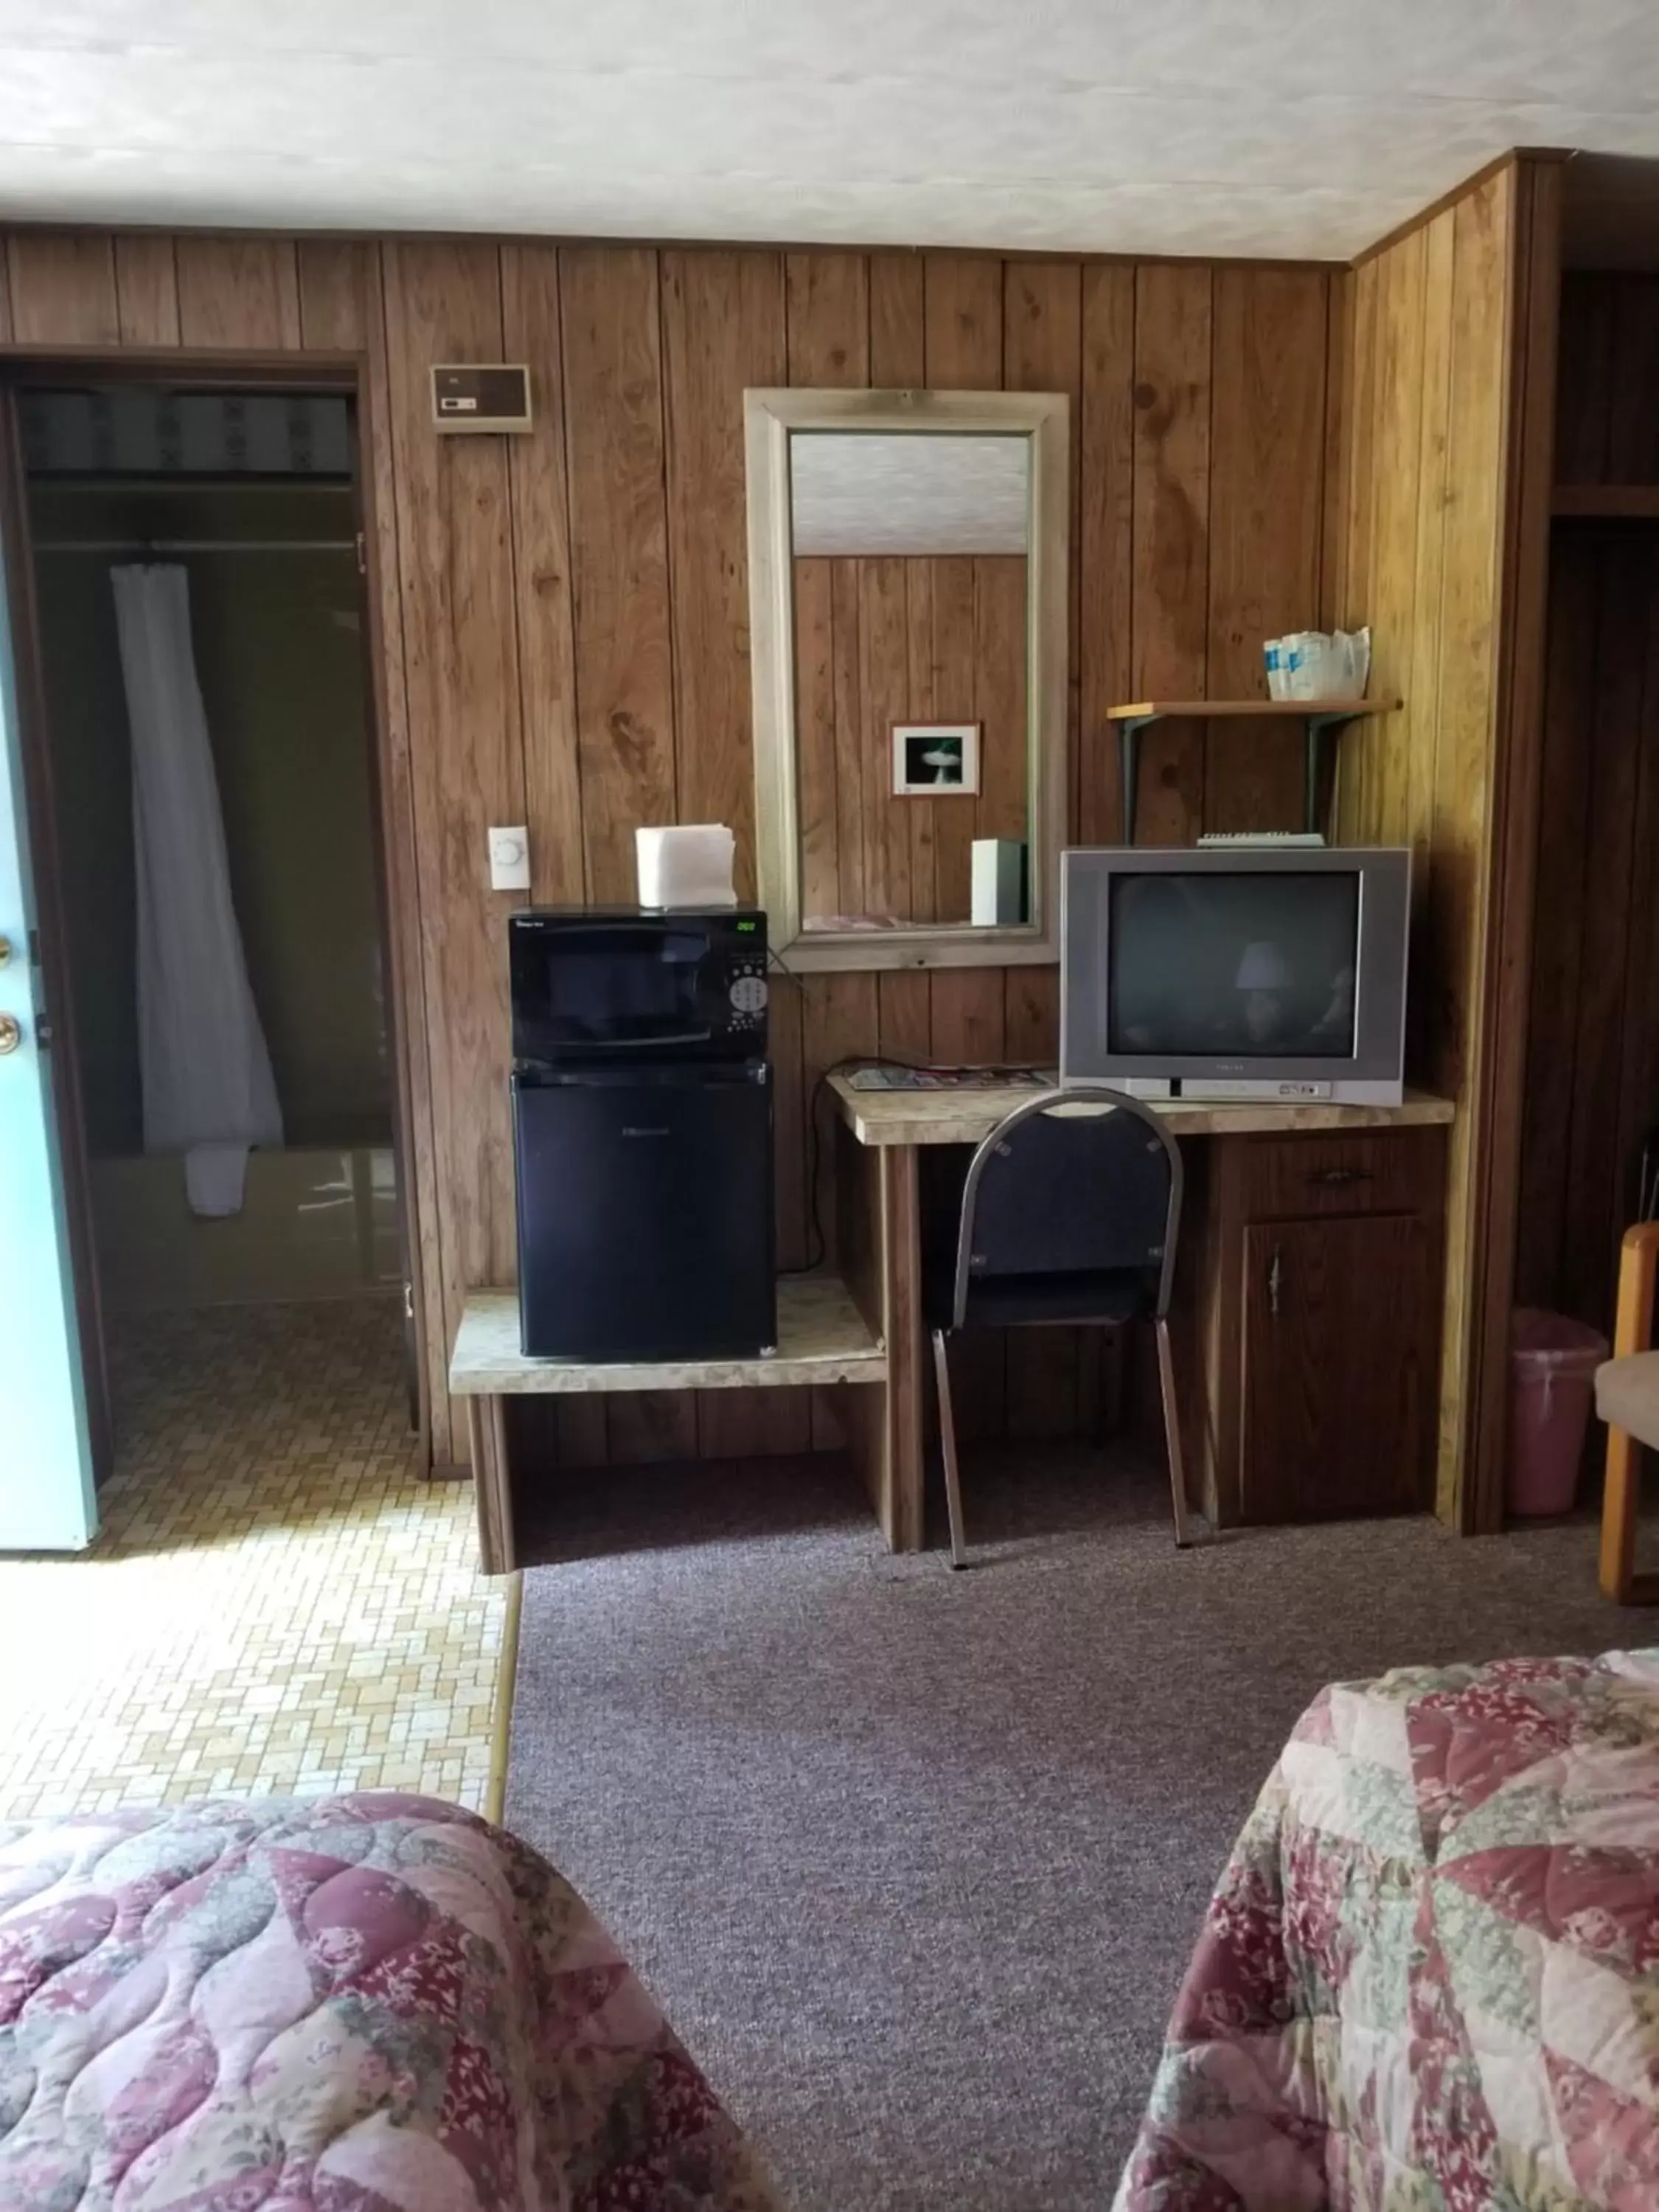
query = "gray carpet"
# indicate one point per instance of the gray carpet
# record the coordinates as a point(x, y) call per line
point(914, 1860)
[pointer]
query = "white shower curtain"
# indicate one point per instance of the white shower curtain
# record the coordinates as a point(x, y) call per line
point(208, 1088)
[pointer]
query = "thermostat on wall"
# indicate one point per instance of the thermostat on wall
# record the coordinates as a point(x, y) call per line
point(481, 398)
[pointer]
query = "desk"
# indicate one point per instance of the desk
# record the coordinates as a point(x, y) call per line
point(1341, 1206)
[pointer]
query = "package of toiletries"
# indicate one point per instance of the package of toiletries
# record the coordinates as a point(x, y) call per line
point(688, 865)
point(1316, 664)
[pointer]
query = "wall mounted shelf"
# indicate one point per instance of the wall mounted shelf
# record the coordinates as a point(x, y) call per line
point(1318, 716)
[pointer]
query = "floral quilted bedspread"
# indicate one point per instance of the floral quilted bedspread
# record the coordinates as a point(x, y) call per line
point(1429, 1978)
point(368, 2003)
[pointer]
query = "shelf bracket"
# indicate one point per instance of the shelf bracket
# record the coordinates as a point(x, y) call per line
point(1129, 741)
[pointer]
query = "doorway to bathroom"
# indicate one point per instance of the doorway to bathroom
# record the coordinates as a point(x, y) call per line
point(189, 602)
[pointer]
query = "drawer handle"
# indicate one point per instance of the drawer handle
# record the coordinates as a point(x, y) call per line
point(1275, 1280)
point(1339, 1178)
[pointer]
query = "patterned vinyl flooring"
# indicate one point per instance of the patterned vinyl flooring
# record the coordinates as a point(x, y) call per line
point(276, 1601)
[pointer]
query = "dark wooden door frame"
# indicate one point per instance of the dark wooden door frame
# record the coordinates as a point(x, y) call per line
point(348, 375)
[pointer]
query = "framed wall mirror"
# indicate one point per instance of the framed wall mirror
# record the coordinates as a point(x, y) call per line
point(908, 578)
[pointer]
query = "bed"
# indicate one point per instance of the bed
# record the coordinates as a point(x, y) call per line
point(1429, 1975)
point(365, 2004)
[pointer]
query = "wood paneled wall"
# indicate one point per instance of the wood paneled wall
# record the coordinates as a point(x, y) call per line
point(1434, 351)
point(1592, 1090)
point(563, 619)
point(905, 640)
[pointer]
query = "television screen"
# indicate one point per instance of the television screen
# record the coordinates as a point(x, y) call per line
point(1231, 966)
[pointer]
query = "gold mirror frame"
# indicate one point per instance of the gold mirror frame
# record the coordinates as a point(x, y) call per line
point(770, 418)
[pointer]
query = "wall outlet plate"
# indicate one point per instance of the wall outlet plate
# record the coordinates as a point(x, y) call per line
point(509, 859)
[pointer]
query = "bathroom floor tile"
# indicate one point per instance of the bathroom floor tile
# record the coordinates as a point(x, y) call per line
point(274, 1599)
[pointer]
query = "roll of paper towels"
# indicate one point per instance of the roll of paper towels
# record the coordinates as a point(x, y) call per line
point(690, 864)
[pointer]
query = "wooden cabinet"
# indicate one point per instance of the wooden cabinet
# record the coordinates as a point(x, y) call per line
point(1309, 1330)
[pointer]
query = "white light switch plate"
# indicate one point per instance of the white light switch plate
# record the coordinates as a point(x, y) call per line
point(509, 860)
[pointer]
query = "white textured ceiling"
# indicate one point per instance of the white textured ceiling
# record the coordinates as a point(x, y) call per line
point(1295, 127)
point(865, 491)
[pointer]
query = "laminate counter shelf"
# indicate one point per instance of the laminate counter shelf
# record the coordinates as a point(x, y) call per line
point(821, 1338)
point(968, 1116)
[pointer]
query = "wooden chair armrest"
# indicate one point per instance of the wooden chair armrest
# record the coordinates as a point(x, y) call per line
point(1639, 1265)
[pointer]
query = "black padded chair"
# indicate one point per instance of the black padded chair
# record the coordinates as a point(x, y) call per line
point(1068, 1215)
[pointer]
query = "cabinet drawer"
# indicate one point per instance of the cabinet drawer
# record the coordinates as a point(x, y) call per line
point(1372, 1171)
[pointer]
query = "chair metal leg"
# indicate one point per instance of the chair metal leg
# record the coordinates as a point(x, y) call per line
point(1172, 1431)
point(947, 1438)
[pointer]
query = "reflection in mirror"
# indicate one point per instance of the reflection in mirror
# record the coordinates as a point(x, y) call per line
point(910, 575)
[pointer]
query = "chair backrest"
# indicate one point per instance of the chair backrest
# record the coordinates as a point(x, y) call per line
point(1075, 1182)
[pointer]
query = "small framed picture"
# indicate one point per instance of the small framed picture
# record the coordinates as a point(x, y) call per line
point(931, 760)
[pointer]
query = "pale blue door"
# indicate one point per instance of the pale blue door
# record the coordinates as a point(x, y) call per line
point(47, 1501)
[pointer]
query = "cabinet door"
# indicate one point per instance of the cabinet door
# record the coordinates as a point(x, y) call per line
point(1341, 1344)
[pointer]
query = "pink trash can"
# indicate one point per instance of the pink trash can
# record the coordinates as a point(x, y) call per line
point(1553, 1363)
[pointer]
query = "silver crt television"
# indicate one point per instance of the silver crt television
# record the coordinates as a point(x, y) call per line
point(1243, 972)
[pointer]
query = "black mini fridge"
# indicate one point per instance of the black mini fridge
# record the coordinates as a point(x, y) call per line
point(645, 1210)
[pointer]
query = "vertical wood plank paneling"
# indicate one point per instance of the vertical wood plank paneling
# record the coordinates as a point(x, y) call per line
point(846, 699)
point(1633, 379)
point(962, 311)
point(404, 955)
point(1557, 938)
point(1611, 769)
point(619, 543)
point(723, 331)
point(1405, 309)
point(1435, 490)
point(1105, 553)
point(1353, 607)
point(62, 288)
point(1266, 438)
point(443, 303)
point(1004, 806)
point(1338, 458)
point(1169, 643)
point(898, 361)
point(956, 686)
point(827, 316)
point(147, 290)
point(1586, 371)
point(816, 737)
point(333, 276)
point(5, 290)
point(1458, 896)
point(898, 343)
point(962, 351)
point(544, 596)
point(840, 1020)
point(616, 433)
point(883, 679)
point(1042, 352)
point(921, 815)
point(240, 292)
point(723, 328)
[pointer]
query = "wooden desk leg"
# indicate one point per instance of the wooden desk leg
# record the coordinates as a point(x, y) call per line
point(486, 1435)
point(899, 1506)
point(879, 1247)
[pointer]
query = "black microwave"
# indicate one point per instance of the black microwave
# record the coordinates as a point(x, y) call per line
point(594, 984)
